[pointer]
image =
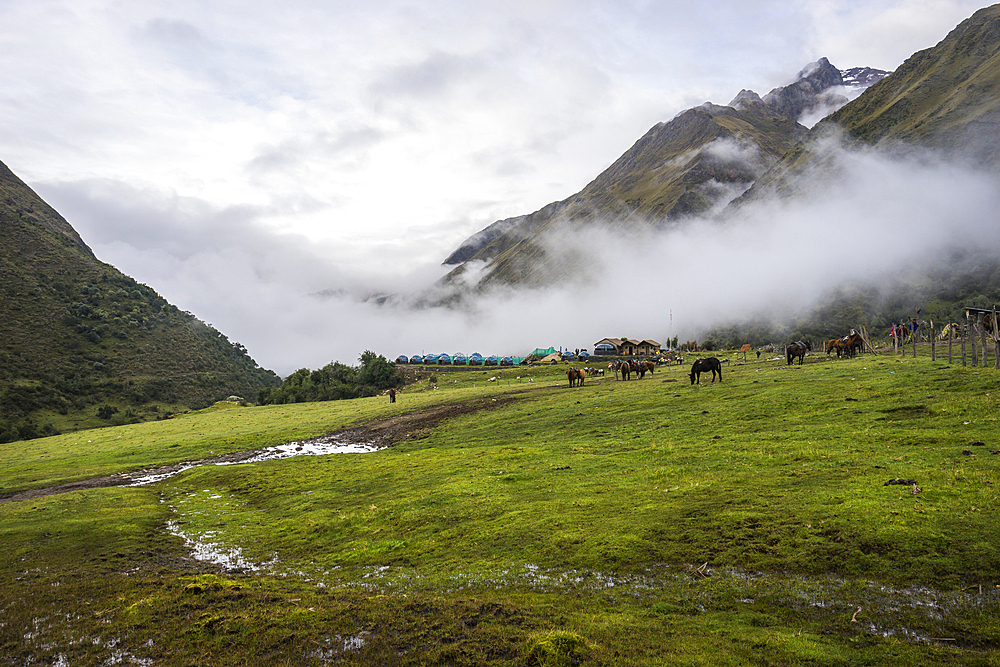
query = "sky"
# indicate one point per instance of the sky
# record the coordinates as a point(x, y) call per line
point(242, 158)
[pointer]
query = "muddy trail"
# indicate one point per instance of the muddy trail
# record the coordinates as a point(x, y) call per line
point(369, 436)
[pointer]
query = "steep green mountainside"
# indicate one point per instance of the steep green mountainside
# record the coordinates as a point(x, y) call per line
point(78, 337)
point(22, 200)
point(945, 98)
point(686, 166)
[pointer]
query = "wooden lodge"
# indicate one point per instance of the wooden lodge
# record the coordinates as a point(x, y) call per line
point(627, 347)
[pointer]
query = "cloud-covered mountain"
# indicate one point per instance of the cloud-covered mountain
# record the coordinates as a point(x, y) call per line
point(693, 165)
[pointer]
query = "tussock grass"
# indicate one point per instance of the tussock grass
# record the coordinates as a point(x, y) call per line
point(642, 522)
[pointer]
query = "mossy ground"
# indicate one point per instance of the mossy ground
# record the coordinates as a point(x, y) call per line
point(641, 522)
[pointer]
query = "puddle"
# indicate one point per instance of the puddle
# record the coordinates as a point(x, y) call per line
point(230, 558)
point(316, 447)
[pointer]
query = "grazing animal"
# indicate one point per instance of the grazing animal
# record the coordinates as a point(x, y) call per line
point(625, 368)
point(834, 345)
point(575, 377)
point(797, 349)
point(704, 366)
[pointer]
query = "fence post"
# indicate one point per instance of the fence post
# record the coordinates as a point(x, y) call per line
point(972, 339)
point(933, 340)
point(951, 338)
point(986, 347)
point(996, 340)
point(962, 331)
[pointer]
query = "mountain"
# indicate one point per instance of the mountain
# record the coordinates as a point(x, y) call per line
point(79, 338)
point(692, 165)
point(945, 98)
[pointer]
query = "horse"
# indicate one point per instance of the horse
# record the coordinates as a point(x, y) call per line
point(704, 366)
point(834, 344)
point(575, 377)
point(625, 368)
point(650, 366)
point(797, 349)
point(853, 343)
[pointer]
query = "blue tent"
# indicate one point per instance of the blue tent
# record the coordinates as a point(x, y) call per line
point(443, 360)
point(402, 360)
point(416, 359)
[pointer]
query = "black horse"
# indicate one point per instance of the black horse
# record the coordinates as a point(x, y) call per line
point(797, 349)
point(704, 366)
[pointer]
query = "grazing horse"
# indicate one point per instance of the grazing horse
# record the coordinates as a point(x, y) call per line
point(797, 349)
point(650, 366)
point(625, 368)
point(704, 366)
point(575, 377)
point(834, 344)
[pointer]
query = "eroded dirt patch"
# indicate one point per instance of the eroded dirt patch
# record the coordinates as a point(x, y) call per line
point(380, 433)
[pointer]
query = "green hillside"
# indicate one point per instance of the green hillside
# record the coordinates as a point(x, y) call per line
point(945, 97)
point(78, 337)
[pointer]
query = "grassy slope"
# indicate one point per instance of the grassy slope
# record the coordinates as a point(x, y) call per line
point(568, 520)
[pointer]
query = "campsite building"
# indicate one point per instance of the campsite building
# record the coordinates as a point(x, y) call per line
point(628, 347)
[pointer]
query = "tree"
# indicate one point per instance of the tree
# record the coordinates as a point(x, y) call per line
point(377, 371)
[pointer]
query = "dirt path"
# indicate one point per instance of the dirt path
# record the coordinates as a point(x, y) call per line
point(381, 433)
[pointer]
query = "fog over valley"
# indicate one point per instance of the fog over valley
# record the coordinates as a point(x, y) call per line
point(300, 192)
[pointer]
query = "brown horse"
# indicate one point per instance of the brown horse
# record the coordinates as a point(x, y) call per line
point(834, 344)
point(575, 377)
point(625, 368)
point(853, 343)
point(797, 349)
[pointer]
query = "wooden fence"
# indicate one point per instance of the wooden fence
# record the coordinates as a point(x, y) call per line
point(974, 338)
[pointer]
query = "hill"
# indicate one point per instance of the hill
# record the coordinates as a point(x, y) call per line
point(78, 337)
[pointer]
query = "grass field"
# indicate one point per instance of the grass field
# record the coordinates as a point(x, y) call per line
point(521, 522)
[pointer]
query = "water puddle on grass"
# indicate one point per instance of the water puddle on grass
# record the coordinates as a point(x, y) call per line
point(316, 447)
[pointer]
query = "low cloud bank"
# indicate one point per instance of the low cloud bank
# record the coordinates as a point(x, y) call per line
point(288, 301)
